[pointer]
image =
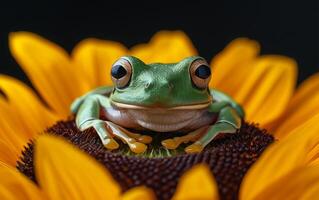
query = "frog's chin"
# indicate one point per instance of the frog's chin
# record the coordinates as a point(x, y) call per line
point(161, 121)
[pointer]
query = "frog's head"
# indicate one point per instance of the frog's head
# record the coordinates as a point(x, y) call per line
point(182, 85)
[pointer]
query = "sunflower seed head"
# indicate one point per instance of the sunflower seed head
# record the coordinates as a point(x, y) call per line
point(229, 157)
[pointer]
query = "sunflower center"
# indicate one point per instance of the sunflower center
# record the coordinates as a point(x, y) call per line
point(229, 157)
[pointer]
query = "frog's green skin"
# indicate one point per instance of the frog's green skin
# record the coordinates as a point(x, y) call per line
point(161, 98)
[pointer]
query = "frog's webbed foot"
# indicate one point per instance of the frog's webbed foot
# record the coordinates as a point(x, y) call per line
point(212, 132)
point(228, 122)
point(107, 131)
point(136, 142)
point(174, 143)
point(101, 129)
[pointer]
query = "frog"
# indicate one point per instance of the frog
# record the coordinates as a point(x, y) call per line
point(162, 98)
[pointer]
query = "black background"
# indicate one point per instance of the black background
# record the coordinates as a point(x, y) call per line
point(282, 27)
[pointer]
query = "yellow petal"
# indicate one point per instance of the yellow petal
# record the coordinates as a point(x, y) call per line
point(196, 183)
point(301, 183)
point(139, 193)
point(9, 154)
point(280, 159)
point(95, 57)
point(311, 193)
point(10, 151)
point(165, 47)
point(49, 69)
point(302, 107)
point(313, 155)
point(23, 116)
point(12, 135)
point(64, 172)
point(232, 66)
point(14, 186)
point(268, 89)
point(314, 162)
point(9, 125)
point(29, 114)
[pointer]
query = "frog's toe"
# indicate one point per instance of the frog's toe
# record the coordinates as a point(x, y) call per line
point(145, 139)
point(194, 148)
point(137, 147)
point(110, 144)
point(170, 144)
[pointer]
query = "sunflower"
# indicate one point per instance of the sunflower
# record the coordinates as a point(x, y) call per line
point(264, 85)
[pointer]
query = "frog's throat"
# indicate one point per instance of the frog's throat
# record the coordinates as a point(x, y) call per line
point(183, 107)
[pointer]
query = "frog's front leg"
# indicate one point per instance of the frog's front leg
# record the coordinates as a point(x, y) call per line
point(103, 90)
point(88, 116)
point(228, 121)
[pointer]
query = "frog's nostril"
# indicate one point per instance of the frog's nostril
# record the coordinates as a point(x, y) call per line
point(170, 86)
point(163, 87)
point(147, 85)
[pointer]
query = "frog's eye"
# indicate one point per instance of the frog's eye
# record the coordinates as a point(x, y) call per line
point(121, 73)
point(200, 73)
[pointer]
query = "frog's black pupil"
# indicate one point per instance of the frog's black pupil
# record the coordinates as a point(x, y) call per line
point(203, 71)
point(118, 71)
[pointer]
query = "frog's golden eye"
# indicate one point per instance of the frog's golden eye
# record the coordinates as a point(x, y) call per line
point(121, 73)
point(200, 73)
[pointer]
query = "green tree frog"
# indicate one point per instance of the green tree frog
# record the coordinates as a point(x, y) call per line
point(161, 98)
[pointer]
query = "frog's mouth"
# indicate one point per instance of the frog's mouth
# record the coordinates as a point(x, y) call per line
point(183, 107)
